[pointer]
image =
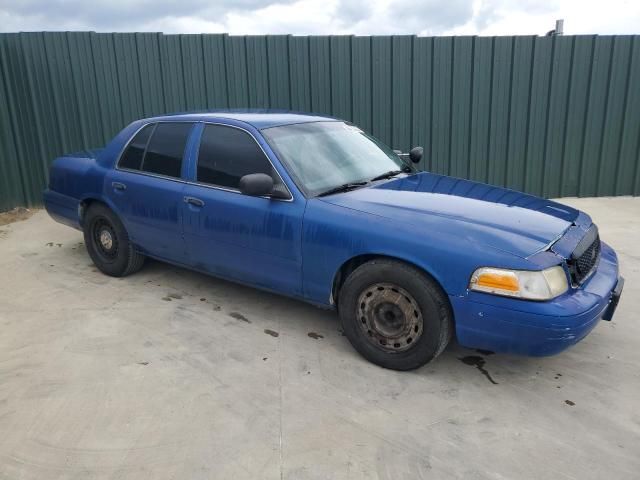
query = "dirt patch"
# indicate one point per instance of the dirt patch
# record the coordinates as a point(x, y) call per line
point(15, 215)
point(239, 316)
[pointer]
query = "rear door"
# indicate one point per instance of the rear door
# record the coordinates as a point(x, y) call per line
point(147, 186)
point(254, 240)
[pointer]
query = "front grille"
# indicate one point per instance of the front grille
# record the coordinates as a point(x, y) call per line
point(585, 257)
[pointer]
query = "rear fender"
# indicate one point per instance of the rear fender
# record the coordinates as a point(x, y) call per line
point(90, 198)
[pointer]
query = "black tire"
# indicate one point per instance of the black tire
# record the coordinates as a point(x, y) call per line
point(395, 315)
point(102, 228)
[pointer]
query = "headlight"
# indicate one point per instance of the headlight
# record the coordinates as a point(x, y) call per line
point(532, 285)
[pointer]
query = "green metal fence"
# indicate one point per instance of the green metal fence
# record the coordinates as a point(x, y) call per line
point(555, 116)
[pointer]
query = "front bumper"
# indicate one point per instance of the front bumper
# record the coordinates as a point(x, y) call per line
point(539, 328)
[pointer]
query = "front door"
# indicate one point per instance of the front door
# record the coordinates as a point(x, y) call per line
point(253, 240)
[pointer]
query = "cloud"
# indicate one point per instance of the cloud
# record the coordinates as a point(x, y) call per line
point(430, 15)
point(304, 17)
point(316, 17)
point(353, 11)
point(121, 15)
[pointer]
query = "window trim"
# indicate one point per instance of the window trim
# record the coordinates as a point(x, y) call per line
point(146, 148)
point(197, 153)
point(235, 190)
point(184, 151)
point(151, 174)
point(128, 144)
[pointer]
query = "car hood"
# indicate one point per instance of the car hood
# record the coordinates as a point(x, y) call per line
point(511, 221)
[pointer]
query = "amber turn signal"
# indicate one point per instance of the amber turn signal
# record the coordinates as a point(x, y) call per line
point(531, 285)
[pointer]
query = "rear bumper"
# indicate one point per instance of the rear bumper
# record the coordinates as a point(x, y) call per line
point(62, 208)
point(538, 328)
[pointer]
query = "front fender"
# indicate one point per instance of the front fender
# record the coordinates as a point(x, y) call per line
point(332, 235)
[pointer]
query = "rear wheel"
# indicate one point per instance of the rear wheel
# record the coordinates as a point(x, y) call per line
point(394, 314)
point(108, 243)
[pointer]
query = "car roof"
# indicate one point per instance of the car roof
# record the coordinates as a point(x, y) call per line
point(257, 118)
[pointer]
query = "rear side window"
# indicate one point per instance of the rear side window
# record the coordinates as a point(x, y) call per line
point(132, 157)
point(227, 154)
point(166, 149)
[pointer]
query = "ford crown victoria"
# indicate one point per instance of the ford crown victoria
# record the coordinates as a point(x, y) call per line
point(315, 208)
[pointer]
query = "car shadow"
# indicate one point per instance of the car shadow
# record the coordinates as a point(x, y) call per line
point(260, 308)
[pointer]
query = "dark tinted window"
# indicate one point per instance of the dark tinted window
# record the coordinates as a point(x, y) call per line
point(166, 148)
point(226, 154)
point(132, 157)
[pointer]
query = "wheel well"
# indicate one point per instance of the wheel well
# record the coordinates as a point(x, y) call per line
point(350, 265)
point(344, 271)
point(84, 206)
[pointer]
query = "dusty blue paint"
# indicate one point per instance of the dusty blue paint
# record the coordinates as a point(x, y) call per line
point(448, 227)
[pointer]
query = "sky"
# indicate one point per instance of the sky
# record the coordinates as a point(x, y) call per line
point(323, 17)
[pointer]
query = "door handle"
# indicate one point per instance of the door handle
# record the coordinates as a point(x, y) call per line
point(118, 186)
point(194, 201)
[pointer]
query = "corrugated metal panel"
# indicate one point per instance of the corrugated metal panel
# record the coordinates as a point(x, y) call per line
point(257, 71)
point(152, 85)
point(538, 114)
point(462, 79)
point(576, 114)
point(628, 175)
point(614, 116)
point(556, 117)
point(108, 90)
point(215, 71)
point(499, 108)
point(12, 192)
point(361, 81)
point(381, 88)
point(442, 77)
point(596, 115)
point(299, 76)
point(320, 74)
point(193, 71)
point(480, 108)
point(518, 111)
point(236, 69)
point(341, 89)
point(401, 53)
point(278, 65)
point(549, 115)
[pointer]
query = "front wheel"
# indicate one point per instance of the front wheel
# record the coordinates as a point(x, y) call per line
point(108, 243)
point(394, 315)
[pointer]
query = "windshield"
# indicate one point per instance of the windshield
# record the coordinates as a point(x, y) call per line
point(321, 156)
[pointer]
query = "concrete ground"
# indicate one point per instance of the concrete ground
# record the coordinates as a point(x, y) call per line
point(170, 374)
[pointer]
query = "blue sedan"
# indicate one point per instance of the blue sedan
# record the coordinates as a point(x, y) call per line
point(315, 208)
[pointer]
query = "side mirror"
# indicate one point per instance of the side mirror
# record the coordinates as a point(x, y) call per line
point(256, 184)
point(415, 154)
point(261, 185)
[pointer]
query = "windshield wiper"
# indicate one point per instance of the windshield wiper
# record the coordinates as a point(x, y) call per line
point(345, 187)
point(389, 174)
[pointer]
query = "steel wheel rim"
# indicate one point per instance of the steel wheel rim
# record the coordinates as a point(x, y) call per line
point(389, 317)
point(105, 239)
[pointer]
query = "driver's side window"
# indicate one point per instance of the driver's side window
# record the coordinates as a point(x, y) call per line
point(226, 154)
